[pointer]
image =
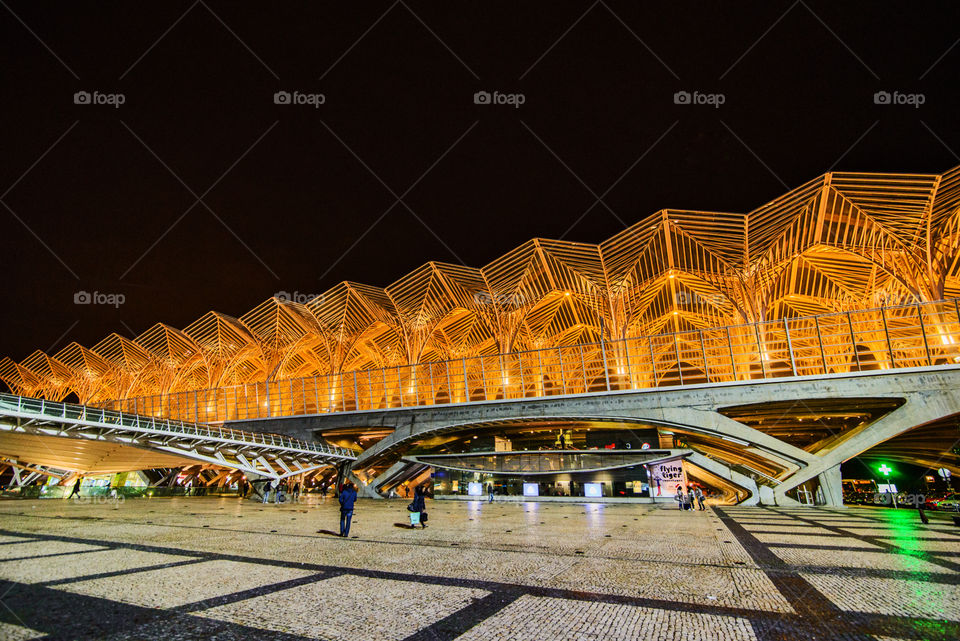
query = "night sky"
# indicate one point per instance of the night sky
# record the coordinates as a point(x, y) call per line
point(296, 198)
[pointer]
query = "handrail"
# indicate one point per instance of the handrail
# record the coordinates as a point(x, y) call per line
point(59, 410)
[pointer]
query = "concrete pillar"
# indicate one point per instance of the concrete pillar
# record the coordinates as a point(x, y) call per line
point(831, 486)
point(389, 473)
point(766, 495)
point(364, 491)
point(252, 495)
point(931, 398)
point(722, 471)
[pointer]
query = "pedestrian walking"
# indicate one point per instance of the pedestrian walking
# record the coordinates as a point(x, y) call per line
point(296, 491)
point(269, 486)
point(348, 496)
point(699, 494)
point(490, 491)
point(76, 488)
point(690, 499)
point(418, 508)
point(920, 499)
point(679, 497)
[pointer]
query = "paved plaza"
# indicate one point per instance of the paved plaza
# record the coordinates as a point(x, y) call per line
point(224, 569)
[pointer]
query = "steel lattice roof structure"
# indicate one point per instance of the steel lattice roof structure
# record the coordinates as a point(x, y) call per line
point(840, 242)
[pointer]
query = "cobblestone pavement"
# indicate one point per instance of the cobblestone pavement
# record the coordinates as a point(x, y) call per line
point(224, 569)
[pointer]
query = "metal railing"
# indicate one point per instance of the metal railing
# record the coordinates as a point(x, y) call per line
point(26, 406)
point(914, 335)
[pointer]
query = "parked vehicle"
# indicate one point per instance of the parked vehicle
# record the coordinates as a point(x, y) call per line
point(949, 502)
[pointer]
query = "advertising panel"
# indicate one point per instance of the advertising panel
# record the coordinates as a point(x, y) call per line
point(665, 477)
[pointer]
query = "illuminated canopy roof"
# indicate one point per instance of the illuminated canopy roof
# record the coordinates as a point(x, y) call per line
point(843, 241)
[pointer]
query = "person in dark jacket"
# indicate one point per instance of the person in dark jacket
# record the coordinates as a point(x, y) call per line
point(348, 496)
point(76, 488)
point(419, 505)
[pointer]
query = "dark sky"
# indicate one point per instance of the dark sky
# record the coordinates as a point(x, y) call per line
point(103, 199)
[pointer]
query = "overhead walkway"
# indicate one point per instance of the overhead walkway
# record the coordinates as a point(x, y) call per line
point(83, 439)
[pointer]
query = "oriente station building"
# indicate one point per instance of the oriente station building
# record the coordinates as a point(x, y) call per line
point(764, 356)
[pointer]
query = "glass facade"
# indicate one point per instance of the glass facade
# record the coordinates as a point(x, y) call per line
point(539, 462)
point(627, 482)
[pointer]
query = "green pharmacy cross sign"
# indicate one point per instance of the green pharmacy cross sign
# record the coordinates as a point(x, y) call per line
point(884, 469)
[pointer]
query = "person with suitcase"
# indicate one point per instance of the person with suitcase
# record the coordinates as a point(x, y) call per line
point(418, 509)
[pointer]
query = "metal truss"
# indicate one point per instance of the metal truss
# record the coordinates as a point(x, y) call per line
point(893, 337)
point(267, 455)
point(33, 472)
point(843, 242)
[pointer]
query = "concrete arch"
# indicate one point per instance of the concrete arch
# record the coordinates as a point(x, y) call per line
point(927, 394)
